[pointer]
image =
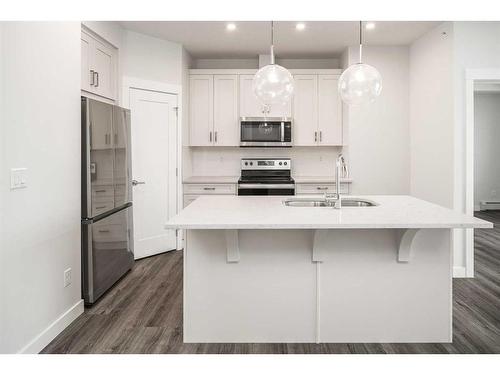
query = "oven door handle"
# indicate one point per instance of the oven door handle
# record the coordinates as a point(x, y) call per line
point(266, 186)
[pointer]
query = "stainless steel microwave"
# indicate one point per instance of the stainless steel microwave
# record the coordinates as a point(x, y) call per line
point(266, 132)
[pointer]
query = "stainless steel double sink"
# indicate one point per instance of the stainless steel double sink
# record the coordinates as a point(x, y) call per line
point(318, 202)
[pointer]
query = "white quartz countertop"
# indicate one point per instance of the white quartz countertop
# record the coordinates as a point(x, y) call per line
point(319, 180)
point(269, 212)
point(234, 180)
point(211, 180)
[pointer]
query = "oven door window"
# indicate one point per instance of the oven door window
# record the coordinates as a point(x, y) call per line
point(261, 132)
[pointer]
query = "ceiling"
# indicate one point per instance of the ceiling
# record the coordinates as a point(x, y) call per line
point(319, 39)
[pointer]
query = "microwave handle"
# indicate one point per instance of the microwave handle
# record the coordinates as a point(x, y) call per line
point(282, 131)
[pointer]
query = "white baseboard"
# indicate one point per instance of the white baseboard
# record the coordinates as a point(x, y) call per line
point(55, 328)
point(459, 271)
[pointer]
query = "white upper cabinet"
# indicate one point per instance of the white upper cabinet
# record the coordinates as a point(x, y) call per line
point(99, 66)
point(201, 110)
point(250, 106)
point(317, 111)
point(219, 98)
point(104, 67)
point(226, 120)
point(329, 111)
point(213, 110)
point(305, 110)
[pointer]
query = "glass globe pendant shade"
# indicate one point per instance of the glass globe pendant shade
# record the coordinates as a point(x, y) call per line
point(273, 84)
point(360, 84)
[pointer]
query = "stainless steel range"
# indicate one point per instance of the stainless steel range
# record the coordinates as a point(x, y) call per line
point(266, 177)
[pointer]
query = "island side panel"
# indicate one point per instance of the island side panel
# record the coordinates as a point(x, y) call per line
point(269, 295)
point(368, 296)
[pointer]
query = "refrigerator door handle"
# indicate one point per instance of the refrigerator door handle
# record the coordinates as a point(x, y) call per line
point(135, 183)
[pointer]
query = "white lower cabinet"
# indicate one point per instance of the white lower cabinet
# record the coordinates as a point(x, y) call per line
point(308, 189)
point(193, 191)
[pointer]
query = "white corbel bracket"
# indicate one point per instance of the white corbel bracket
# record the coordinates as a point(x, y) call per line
point(232, 246)
point(405, 241)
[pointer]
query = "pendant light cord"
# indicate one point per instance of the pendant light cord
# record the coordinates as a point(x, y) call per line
point(272, 42)
point(360, 40)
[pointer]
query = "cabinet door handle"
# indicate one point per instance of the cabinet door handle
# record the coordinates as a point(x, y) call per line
point(215, 137)
point(104, 231)
point(92, 77)
point(322, 188)
point(96, 84)
point(315, 136)
point(320, 136)
point(208, 188)
point(210, 137)
point(100, 207)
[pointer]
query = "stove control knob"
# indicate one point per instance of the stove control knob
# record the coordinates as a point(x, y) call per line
point(285, 163)
point(251, 163)
point(281, 163)
point(246, 163)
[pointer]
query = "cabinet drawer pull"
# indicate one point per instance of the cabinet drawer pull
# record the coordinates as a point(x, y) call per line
point(208, 188)
point(103, 231)
point(100, 207)
point(101, 191)
point(322, 187)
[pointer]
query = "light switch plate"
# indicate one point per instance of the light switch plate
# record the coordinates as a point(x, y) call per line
point(18, 178)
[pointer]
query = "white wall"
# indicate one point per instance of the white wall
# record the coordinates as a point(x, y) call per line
point(431, 116)
point(152, 59)
point(332, 63)
point(378, 135)
point(40, 231)
point(437, 96)
point(225, 161)
point(486, 147)
point(186, 153)
point(476, 45)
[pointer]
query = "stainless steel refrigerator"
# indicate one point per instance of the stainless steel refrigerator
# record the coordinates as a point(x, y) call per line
point(107, 229)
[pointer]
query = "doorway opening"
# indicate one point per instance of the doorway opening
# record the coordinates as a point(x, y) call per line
point(482, 189)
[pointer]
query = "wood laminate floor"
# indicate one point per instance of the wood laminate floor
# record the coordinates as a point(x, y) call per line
point(143, 313)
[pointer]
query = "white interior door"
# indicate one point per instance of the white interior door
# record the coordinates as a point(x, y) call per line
point(154, 160)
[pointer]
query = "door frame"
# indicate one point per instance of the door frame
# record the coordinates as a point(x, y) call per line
point(472, 76)
point(165, 88)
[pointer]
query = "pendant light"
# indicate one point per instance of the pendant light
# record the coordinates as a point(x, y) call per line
point(273, 84)
point(360, 83)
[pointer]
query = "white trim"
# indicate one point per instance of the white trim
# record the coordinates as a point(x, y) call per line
point(55, 328)
point(459, 272)
point(253, 71)
point(167, 88)
point(472, 76)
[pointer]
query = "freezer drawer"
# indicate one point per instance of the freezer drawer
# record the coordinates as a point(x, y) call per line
point(107, 253)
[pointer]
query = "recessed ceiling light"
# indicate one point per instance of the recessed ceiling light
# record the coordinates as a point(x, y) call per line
point(300, 26)
point(230, 27)
point(370, 26)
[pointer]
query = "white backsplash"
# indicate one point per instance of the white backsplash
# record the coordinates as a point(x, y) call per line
point(225, 161)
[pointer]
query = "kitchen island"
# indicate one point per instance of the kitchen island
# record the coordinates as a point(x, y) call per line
point(256, 270)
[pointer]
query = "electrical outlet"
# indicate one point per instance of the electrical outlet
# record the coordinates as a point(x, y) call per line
point(67, 277)
point(18, 178)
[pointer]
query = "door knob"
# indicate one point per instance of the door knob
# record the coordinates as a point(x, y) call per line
point(135, 183)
